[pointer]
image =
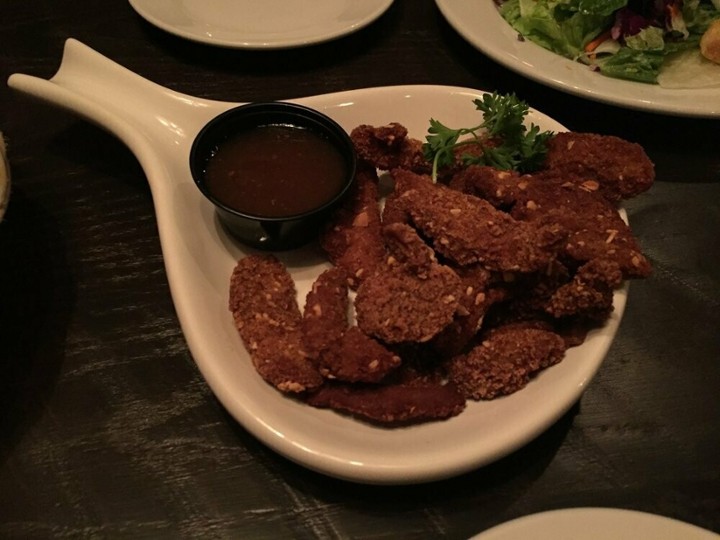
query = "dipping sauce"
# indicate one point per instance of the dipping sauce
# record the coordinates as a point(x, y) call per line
point(275, 171)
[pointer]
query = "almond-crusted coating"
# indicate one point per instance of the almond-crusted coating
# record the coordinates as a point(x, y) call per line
point(396, 306)
point(391, 404)
point(395, 210)
point(263, 292)
point(469, 230)
point(341, 353)
point(281, 361)
point(407, 248)
point(596, 230)
point(352, 238)
point(504, 362)
point(616, 168)
point(389, 147)
point(577, 299)
point(358, 358)
point(477, 297)
point(589, 294)
point(263, 301)
point(325, 316)
point(499, 188)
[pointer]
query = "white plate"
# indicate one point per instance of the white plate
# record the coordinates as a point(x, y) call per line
point(337, 445)
point(480, 23)
point(260, 24)
point(596, 524)
point(159, 126)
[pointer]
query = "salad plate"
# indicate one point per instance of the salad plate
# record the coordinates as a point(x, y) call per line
point(260, 24)
point(596, 524)
point(481, 24)
point(159, 125)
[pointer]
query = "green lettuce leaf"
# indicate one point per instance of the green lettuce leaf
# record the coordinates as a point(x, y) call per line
point(698, 15)
point(557, 25)
point(647, 39)
point(600, 7)
point(627, 63)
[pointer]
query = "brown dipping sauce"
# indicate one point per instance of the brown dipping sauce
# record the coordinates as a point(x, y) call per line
point(275, 171)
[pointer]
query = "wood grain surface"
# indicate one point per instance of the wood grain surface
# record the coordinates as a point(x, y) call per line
point(107, 429)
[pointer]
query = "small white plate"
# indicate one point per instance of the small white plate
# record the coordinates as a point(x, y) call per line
point(338, 445)
point(260, 24)
point(480, 23)
point(596, 524)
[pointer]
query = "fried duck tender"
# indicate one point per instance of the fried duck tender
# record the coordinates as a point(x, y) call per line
point(595, 229)
point(480, 292)
point(352, 239)
point(621, 169)
point(408, 249)
point(263, 301)
point(467, 230)
point(411, 298)
point(340, 352)
point(389, 147)
point(391, 404)
point(589, 294)
point(505, 361)
point(396, 306)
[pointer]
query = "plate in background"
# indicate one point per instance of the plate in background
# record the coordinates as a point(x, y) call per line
point(480, 23)
point(260, 24)
point(596, 524)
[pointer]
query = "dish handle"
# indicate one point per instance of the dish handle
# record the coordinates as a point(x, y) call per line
point(142, 114)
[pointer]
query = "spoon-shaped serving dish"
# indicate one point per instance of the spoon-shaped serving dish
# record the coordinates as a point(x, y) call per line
point(159, 126)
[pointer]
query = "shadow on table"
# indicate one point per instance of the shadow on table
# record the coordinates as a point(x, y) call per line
point(283, 62)
point(36, 295)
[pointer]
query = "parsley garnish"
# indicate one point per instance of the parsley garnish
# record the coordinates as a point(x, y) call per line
point(505, 141)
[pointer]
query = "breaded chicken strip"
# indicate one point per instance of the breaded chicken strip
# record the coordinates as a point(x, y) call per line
point(352, 238)
point(589, 294)
point(408, 249)
point(391, 404)
point(263, 302)
point(596, 230)
point(499, 188)
point(468, 230)
point(389, 147)
point(359, 358)
point(480, 292)
point(504, 362)
point(620, 169)
point(594, 227)
point(396, 306)
point(340, 352)
point(325, 316)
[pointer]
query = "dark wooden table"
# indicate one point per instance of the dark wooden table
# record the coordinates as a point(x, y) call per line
point(109, 431)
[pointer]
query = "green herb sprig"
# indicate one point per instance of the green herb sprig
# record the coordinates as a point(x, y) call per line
point(505, 141)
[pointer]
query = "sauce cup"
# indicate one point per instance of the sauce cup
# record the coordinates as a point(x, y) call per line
point(275, 171)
